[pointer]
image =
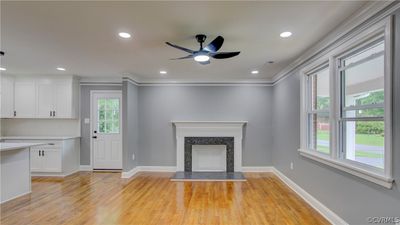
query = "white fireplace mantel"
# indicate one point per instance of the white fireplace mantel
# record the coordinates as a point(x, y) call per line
point(209, 129)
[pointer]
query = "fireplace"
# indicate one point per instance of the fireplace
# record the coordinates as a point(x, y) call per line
point(214, 154)
point(199, 137)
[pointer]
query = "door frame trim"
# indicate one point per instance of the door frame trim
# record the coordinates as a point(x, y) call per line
point(92, 92)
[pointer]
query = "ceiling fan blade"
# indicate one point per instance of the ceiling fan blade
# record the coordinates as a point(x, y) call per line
point(224, 55)
point(184, 57)
point(215, 45)
point(180, 48)
point(205, 63)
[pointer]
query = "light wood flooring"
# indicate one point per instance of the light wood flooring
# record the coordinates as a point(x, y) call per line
point(151, 198)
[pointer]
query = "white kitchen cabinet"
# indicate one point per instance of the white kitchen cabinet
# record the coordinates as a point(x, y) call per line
point(36, 160)
point(7, 96)
point(44, 104)
point(24, 98)
point(40, 97)
point(63, 96)
point(54, 158)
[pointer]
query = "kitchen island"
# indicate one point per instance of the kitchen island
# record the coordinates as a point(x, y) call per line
point(15, 172)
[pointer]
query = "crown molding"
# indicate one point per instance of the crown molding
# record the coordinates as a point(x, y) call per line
point(370, 14)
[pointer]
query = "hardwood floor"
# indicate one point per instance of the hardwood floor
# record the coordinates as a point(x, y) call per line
point(151, 198)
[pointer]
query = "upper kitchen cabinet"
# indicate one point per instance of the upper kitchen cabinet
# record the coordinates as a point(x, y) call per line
point(44, 97)
point(7, 96)
point(24, 97)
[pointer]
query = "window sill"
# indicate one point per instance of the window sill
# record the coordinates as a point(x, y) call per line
point(379, 179)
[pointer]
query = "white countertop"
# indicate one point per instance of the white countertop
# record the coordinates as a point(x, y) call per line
point(14, 146)
point(37, 137)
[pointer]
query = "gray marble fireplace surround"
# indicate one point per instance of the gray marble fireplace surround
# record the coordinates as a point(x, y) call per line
point(228, 141)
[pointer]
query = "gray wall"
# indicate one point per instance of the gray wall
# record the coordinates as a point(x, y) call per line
point(130, 125)
point(85, 113)
point(159, 105)
point(352, 198)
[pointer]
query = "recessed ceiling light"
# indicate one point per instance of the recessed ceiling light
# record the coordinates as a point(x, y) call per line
point(254, 72)
point(124, 35)
point(60, 68)
point(286, 34)
point(2, 69)
point(163, 72)
point(201, 58)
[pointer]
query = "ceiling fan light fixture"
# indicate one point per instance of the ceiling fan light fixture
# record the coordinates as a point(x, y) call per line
point(201, 58)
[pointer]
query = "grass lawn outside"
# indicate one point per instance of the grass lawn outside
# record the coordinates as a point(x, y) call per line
point(361, 139)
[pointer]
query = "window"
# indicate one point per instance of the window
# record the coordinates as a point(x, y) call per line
point(362, 105)
point(346, 106)
point(318, 110)
point(108, 116)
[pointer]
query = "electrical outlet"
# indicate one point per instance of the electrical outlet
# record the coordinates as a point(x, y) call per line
point(291, 165)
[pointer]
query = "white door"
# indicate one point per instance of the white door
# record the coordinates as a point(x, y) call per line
point(25, 98)
point(106, 129)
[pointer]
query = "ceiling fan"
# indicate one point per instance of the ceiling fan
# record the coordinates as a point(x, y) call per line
point(203, 55)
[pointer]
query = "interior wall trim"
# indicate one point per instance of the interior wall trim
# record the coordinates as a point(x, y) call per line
point(328, 214)
point(370, 14)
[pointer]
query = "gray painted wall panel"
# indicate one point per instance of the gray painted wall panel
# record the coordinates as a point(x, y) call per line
point(85, 113)
point(130, 125)
point(352, 198)
point(158, 106)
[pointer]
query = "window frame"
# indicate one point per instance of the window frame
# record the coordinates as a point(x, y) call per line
point(309, 109)
point(380, 30)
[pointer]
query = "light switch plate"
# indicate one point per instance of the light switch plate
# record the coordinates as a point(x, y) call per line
point(87, 121)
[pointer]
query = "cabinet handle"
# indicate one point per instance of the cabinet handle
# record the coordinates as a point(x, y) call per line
point(39, 152)
point(15, 113)
point(54, 113)
point(51, 114)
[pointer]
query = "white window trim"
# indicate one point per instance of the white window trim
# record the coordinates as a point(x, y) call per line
point(384, 179)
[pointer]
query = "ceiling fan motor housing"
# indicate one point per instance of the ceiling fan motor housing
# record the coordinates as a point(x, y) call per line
point(201, 38)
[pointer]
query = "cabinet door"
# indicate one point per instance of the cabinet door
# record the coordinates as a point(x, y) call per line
point(36, 161)
point(44, 104)
point(63, 99)
point(7, 97)
point(51, 160)
point(25, 98)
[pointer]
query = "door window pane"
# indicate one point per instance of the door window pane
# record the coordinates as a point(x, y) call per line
point(108, 116)
point(365, 142)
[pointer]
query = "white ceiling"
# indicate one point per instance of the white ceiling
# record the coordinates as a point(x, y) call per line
point(82, 36)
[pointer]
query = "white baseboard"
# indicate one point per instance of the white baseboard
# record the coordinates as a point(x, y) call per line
point(130, 173)
point(85, 168)
point(332, 217)
point(52, 174)
point(257, 169)
point(26, 193)
point(158, 168)
point(137, 169)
